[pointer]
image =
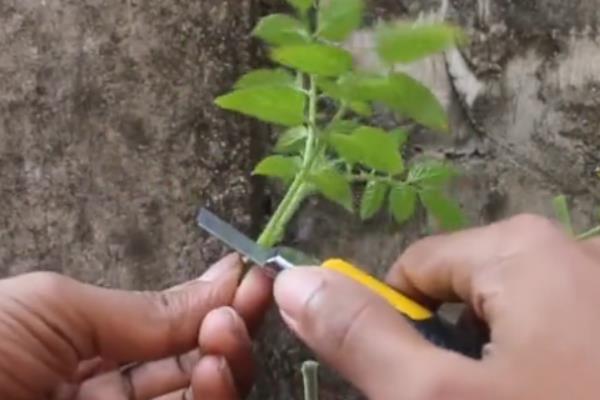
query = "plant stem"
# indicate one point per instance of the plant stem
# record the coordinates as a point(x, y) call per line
point(311, 380)
point(275, 229)
point(589, 234)
point(367, 178)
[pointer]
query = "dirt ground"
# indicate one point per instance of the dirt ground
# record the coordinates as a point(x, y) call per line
point(110, 142)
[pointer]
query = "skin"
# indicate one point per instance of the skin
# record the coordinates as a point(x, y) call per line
point(64, 340)
point(534, 287)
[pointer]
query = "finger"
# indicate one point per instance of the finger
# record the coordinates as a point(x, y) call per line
point(148, 380)
point(442, 268)
point(213, 379)
point(183, 394)
point(143, 381)
point(363, 338)
point(592, 247)
point(253, 298)
point(223, 333)
point(126, 326)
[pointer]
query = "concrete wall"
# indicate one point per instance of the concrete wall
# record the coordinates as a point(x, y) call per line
point(109, 141)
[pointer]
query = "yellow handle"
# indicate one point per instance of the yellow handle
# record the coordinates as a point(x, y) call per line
point(400, 302)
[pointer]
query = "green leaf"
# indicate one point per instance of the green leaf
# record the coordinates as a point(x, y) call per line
point(342, 126)
point(318, 59)
point(370, 146)
point(281, 29)
point(301, 5)
point(407, 42)
point(338, 18)
point(276, 104)
point(291, 140)
point(334, 187)
point(402, 202)
point(561, 209)
point(428, 174)
point(265, 77)
point(405, 95)
point(373, 199)
point(401, 137)
point(346, 147)
point(362, 108)
point(447, 213)
point(282, 167)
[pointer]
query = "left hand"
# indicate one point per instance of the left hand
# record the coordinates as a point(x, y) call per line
point(65, 340)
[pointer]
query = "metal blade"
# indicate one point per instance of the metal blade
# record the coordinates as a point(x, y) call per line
point(234, 238)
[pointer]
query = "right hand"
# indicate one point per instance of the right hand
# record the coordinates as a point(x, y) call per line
point(537, 289)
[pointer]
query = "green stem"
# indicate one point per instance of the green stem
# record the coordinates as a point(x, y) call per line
point(311, 380)
point(368, 178)
point(589, 234)
point(296, 193)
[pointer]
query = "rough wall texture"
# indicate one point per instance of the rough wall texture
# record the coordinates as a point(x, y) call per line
point(109, 141)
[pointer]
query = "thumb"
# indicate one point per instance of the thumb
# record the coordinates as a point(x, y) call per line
point(127, 326)
point(367, 341)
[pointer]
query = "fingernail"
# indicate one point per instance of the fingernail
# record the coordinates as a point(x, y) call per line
point(294, 288)
point(226, 371)
point(220, 268)
point(234, 323)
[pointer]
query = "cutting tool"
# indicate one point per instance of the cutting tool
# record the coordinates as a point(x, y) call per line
point(433, 326)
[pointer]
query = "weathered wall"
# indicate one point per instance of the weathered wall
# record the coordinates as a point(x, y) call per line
point(109, 141)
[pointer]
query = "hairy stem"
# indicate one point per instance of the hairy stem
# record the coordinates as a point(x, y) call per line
point(589, 234)
point(296, 193)
point(311, 380)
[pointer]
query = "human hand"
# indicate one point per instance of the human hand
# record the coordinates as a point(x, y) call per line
point(537, 290)
point(64, 340)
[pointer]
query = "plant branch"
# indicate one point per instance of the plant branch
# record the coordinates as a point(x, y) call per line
point(311, 380)
point(296, 193)
point(589, 234)
point(368, 178)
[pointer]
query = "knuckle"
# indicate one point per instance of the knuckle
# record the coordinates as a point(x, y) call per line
point(328, 321)
point(168, 308)
point(534, 225)
point(46, 282)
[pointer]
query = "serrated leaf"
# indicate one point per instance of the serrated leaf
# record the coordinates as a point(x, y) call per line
point(370, 146)
point(407, 96)
point(282, 167)
point(301, 5)
point(400, 136)
point(348, 148)
point(561, 209)
point(334, 187)
point(373, 199)
point(318, 59)
point(276, 104)
point(281, 29)
point(406, 42)
point(338, 18)
point(265, 77)
point(446, 212)
point(431, 173)
point(402, 202)
point(291, 140)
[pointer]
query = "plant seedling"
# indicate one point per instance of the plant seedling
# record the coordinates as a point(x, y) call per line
point(320, 105)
